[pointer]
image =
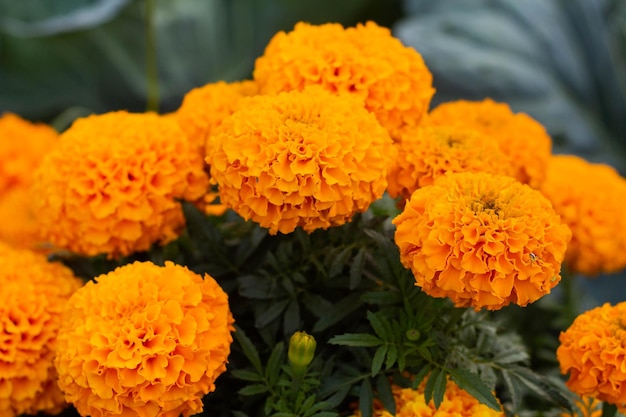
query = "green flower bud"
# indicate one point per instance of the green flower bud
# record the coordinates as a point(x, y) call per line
point(413, 334)
point(301, 349)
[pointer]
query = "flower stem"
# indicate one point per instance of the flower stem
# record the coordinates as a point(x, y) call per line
point(152, 75)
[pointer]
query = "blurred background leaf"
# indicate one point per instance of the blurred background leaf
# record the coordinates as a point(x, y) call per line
point(561, 61)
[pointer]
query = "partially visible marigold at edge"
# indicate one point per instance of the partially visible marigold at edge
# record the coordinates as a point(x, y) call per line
point(523, 139)
point(144, 340)
point(204, 108)
point(22, 146)
point(113, 184)
point(456, 403)
point(482, 240)
point(365, 60)
point(33, 293)
point(307, 159)
point(428, 152)
point(590, 199)
point(593, 352)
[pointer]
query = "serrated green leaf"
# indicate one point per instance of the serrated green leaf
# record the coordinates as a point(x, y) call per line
point(366, 399)
point(385, 395)
point(356, 269)
point(338, 312)
point(355, 339)
point(291, 318)
point(379, 357)
point(380, 325)
point(339, 262)
point(514, 388)
point(247, 375)
point(248, 349)
point(276, 359)
point(316, 304)
point(271, 313)
point(382, 297)
point(510, 356)
point(253, 389)
point(542, 387)
point(473, 385)
point(257, 287)
point(419, 377)
point(429, 388)
point(392, 356)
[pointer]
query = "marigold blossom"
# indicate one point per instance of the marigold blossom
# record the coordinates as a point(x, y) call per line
point(482, 240)
point(428, 152)
point(310, 159)
point(519, 136)
point(22, 230)
point(33, 293)
point(365, 60)
point(113, 183)
point(593, 352)
point(22, 146)
point(456, 403)
point(590, 199)
point(144, 340)
point(204, 108)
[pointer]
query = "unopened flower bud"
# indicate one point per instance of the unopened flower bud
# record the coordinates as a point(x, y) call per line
point(301, 349)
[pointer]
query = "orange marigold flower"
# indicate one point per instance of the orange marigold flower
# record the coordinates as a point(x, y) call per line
point(204, 108)
point(482, 240)
point(144, 340)
point(113, 183)
point(519, 136)
point(309, 159)
point(456, 403)
point(33, 293)
point(593, 351)
point(590, 199)
point(22, 146)
point(365, 60)
point(428, 152)
point(22, 231)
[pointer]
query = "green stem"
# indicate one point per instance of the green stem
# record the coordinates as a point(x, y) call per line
point(152, 74)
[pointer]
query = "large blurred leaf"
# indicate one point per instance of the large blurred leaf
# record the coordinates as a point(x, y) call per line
point(41, 18)
point(102, 68)
point(554, 59)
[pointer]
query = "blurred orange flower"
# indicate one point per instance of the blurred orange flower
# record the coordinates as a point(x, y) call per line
point(310, 159)
point(22, 146)
point(482, 240)
point(144, 340)
point(586, 407)
point(113, 183)
point(204, 108)
point(428, 152)
point(519, 136)
point(593, 353)
point(590, 199)
point(456, 403)
point(364, 60)
point(33, 293)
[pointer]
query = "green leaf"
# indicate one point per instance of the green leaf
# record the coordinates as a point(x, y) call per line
point(381, 328)
point(339, 262)
point(514, 388)
point(366, 399)
point(276, 359)
point(379, 357)
point(385, 395)
point(439, 388)
point(382, 297)
point(473, 385)
point(257, 287)
point(271, 313)
point(247, 375)
point(291, 318)
point(510, 356)
point(248, 349)
point(338, 312)
point(608, 410)
point(429, 388)
point(356, 269)
point(392, 356)
point(355, 339)
point(253, 389)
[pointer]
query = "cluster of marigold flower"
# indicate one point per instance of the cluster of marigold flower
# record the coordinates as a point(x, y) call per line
point(333, 118)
